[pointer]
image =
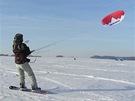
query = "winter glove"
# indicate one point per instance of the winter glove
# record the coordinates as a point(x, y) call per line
point(28, 60)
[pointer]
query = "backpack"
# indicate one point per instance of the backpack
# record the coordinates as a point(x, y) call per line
point(21, 52)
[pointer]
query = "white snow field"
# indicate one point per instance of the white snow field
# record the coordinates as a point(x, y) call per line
point(66, 79)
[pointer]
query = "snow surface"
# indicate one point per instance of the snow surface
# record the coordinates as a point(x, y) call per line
point(83, 79)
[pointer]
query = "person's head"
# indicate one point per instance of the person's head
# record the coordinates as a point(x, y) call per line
point(18, 38)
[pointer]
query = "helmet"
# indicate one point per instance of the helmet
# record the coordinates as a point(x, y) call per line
point(18, 38)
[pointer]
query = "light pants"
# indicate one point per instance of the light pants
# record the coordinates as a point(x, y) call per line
point(26, 67)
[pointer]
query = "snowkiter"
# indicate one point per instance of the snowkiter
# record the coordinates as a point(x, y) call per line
point(21, 52)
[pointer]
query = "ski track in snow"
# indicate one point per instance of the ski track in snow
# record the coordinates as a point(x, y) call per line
point(75, 75)
point(60, 98)
point(96, 78)
point(66, 85)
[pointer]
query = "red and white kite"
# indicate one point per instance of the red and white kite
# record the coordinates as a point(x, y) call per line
point(113, 18)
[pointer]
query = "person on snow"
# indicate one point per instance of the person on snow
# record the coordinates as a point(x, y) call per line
point(21, 52)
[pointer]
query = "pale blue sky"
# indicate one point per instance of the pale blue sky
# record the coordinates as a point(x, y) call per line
point(76, 23)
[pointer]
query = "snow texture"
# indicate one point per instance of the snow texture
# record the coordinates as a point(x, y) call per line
point(66, 79)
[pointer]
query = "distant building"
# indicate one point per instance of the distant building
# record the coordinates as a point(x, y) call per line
point(74, 58)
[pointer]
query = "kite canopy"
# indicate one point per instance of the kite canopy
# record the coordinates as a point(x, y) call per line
point(113, 18)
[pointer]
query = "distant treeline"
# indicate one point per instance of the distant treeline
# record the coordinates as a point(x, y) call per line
point(3, 54)
point(13, 55)
point(60, 56)
point(112, 57)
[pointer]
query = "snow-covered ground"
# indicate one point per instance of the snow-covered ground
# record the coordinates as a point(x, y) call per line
point(83, 79)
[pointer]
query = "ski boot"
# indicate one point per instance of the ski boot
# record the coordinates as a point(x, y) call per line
point(23, 87)
point(36, 89)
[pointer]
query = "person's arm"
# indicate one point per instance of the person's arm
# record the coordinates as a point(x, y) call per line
point(26, 49)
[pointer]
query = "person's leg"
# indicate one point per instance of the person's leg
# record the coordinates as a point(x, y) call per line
point(26, 67)
point(21, 74)
point(21, 77)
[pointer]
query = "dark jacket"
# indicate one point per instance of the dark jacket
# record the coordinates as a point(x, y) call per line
point(21, 52)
